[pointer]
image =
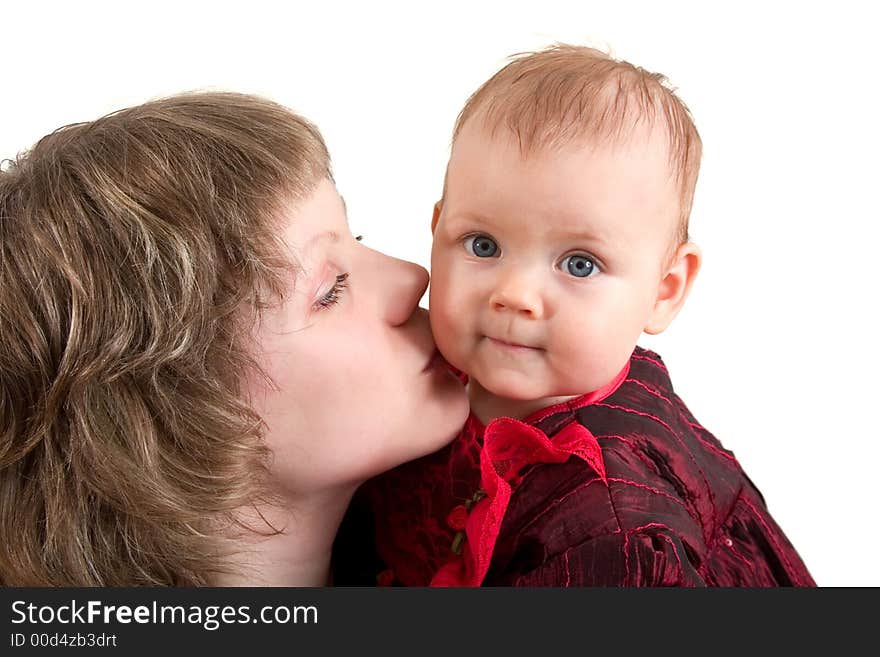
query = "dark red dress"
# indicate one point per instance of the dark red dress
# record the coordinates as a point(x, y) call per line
point(619, 487)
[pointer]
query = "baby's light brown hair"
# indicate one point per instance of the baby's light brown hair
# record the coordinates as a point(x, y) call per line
point(565, 93)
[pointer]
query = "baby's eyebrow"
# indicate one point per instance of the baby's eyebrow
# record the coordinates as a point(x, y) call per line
point(581, 236)
point(469, 218)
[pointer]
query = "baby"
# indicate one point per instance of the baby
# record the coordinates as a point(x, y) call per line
point(561, 236)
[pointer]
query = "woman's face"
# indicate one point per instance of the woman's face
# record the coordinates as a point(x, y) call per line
point(359, 387)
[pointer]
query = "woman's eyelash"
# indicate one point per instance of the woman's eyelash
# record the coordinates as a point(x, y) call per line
point(359, 238)
point(333, 294)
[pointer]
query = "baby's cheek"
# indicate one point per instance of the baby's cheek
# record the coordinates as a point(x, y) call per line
point(582, 358)
point(446, 330)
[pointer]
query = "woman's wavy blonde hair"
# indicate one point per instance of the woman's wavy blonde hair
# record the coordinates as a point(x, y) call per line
point(134, 250)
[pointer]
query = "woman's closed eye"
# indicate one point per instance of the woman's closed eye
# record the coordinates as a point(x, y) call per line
point(332, 295)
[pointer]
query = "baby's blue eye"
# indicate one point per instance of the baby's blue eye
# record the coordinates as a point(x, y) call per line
point(580, 266)
point(481, 246)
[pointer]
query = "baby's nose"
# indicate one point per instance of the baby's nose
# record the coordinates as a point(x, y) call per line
point(518, 294)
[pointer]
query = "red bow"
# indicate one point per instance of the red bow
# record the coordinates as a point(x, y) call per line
point(508, 447)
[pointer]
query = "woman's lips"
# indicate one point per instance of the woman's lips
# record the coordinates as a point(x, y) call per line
point(433, 360)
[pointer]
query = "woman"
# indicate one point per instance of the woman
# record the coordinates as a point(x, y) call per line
point(199, 363)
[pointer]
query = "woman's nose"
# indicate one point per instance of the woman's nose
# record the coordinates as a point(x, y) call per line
point(406, 284)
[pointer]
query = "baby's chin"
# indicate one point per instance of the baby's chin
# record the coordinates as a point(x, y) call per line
point(513, 388)
point(509, 401)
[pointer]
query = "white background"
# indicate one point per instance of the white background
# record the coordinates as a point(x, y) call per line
point(773, 352)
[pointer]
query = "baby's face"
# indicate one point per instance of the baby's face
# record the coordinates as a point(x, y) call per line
point(545, 269)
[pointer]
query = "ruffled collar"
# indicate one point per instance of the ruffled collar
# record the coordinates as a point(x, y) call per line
point(509, 447)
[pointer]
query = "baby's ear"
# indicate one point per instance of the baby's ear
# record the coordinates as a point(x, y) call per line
point(437, 207)
point(675, 287)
